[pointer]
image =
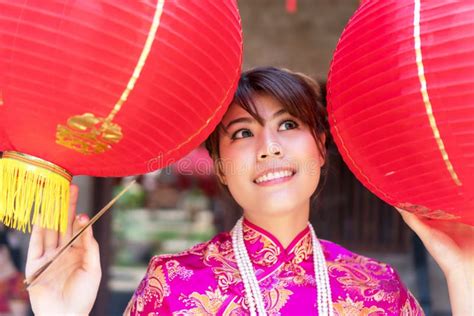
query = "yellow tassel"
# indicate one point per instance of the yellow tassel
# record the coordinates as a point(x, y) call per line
point(33, 191)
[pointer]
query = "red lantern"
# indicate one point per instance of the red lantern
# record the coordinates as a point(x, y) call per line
point(401, 104)
point(106, 88)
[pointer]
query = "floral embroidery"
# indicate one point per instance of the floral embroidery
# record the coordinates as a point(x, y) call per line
point(303, 249)
point(267, 251)
point(367, 277)
point(175, 269)
point(220, 257)
point(296, 273)
point(275, 293)
point(208, 303)
point(235, 309)
point(348, 307)
point(151, 291)
point(212, 283)
point(411, 307)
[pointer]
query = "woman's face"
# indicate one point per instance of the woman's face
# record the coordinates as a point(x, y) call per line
point(272, 168)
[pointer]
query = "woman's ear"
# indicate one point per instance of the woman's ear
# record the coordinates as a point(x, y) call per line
point(322, 148)
point(219, 171)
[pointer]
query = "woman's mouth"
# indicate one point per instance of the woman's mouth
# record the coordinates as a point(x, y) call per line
point(274, 177)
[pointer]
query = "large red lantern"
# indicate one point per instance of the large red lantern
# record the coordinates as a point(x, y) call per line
point(401, 104)
point(106, 88)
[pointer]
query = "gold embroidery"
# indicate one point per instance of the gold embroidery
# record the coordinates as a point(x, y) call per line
point(426, 97)
point(348, 307)
point(225, 270)
point(101, 138)
point(421, 210)
point(275, 290)
point(365, 276)
point(269, 251)
point(275, 299)
point(198, 249)
point(152, 290)
point(233, 309)
point(298, 274)
point(157, 288)
point(303, 249)
point(175, 269)
point(220, 258)
point(88, 134)
point(408, 310)
point(208, 303)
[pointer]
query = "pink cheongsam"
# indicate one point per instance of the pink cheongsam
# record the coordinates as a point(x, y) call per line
point(205, 280)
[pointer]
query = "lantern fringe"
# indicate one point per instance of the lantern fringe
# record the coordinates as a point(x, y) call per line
point(30, 194)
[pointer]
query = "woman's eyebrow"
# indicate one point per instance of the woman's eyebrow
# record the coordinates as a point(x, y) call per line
point(239, 120)
point(279, 113)
point(250, 119)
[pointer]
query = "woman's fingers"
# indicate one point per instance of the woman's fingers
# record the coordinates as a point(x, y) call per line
point(35, 248)
point(74, 193)
point(43, 239)
point(423, 230)
point(87, 242)
point(92, 255)
point(51, 239)
point(413, 222)
point(79, 222)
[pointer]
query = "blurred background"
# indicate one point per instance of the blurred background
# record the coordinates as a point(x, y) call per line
point(174, 208)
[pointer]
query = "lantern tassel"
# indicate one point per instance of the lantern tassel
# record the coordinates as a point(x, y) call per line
point(33, 191)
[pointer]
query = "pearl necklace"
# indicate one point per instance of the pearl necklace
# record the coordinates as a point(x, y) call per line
point(253, 294)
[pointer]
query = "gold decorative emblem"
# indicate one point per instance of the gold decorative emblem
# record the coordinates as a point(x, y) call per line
point(88, 134)
point(421, 210)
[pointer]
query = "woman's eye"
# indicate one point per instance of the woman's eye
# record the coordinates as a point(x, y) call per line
point(288, 124)
point(242, 133)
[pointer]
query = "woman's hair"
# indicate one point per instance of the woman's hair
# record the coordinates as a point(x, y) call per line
point(297, 93)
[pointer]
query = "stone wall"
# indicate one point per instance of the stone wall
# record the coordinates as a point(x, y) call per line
point(301, 41)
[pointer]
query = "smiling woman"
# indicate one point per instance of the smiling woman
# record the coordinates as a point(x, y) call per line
point(269, 153)
point(296, 101)
point(270, 147)
point(270, 156)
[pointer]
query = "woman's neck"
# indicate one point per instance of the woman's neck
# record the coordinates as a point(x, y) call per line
point(284, 227)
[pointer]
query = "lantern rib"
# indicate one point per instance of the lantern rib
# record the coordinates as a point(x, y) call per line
point(425, 95)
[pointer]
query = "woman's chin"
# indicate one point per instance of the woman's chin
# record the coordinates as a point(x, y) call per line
point(277, 204)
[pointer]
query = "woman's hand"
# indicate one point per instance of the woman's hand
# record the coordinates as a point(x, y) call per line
point(69, 286)
point(451, 245)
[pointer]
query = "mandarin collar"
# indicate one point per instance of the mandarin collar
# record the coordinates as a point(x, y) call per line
point(266, 250)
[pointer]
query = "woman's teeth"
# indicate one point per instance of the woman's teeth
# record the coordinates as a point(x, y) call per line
point(274, 175)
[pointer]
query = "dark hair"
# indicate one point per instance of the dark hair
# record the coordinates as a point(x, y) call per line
point(297, 93)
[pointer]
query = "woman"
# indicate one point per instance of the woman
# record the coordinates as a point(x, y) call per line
point(269, 152)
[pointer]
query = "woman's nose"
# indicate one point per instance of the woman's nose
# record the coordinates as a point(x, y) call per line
point(269, 147)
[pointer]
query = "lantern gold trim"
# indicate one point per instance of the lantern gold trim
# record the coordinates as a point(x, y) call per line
point(33, 191)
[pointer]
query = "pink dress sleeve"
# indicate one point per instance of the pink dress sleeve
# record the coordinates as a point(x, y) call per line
point(408, 304)
point(365, 286)
point(150, 298)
